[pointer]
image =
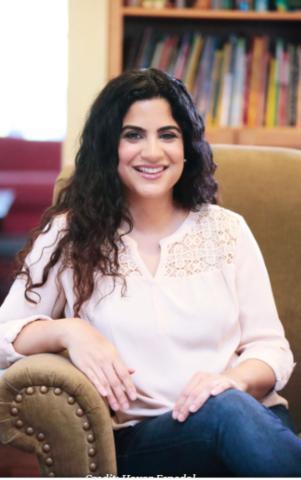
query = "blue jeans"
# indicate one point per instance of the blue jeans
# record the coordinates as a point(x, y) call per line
point(231, 435)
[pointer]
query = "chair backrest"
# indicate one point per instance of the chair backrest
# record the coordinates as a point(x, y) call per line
point(264, 185)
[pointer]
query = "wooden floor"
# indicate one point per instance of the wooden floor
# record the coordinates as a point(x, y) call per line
point(14, 463)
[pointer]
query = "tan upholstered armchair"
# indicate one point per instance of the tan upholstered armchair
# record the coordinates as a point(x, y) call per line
point(48, 407)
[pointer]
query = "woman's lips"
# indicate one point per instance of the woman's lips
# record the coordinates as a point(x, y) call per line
point(151, 173)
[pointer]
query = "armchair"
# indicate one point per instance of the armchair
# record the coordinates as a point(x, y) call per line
point(50, 408)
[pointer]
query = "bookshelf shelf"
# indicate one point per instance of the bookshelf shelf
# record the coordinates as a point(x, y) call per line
point(276, 136)
point(125, 21)
point(196, 13)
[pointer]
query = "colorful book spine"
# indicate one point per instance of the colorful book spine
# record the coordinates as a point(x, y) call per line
point(216, 87)
point(183, 56)
point(271, 95)
point(193, 61)
point(261, 5)
point(170, 44)
point(281, 5)
point(157, 53)
point(254, 89)
point(223, 104)
point(283, 90)
point(236, 110)
point(292, 85)
point(203, 76)
point(298, 119)
point(263, 80)
point(244, 5)
point(246, 88)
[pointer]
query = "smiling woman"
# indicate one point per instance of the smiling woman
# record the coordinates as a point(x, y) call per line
point(167, 306)
point(151, 149)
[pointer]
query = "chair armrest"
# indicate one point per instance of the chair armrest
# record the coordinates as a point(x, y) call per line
point(49, 407)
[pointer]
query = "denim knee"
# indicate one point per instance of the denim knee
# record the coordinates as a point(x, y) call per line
point(234, 402)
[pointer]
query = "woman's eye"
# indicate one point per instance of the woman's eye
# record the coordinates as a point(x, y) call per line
point(168, 135)
point(132, 135)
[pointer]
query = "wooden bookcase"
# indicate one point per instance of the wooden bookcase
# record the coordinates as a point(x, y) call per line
point(124, 19)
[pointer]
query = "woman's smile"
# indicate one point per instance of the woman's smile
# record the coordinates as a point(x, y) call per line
point(150, 172)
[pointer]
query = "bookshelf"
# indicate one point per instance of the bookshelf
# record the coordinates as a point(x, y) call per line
point(125, 22)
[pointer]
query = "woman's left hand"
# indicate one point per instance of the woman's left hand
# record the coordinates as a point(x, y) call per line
point(199, 389)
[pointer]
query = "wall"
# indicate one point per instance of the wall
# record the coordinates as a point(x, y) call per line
point(87, 64)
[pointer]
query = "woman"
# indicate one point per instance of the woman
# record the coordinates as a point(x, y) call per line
point(162, 298)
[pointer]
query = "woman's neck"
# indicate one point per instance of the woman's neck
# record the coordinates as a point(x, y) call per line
point(156, 216)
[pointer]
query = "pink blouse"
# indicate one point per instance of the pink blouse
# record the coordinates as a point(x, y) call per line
point(208, 307)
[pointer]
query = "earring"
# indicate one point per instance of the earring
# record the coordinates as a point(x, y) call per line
point(185, 160)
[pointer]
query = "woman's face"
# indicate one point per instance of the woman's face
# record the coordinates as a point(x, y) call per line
point(151, 150)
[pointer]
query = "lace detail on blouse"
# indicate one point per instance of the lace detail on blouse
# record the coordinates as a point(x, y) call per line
point(208, 246)
point(127, 264)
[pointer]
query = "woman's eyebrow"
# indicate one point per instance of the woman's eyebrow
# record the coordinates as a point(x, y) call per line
point(170, 127)
point(133, 127)
point(161, 129)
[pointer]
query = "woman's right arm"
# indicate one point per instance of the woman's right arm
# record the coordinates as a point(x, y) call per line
point(16, 311)
point(27, 328)
point(89, 351)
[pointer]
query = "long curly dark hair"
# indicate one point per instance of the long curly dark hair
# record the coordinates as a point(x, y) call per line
point(94, 201)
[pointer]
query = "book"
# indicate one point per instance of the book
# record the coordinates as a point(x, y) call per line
point(261, 5)
point(155, 61)
point(169, 44)
point(193, 61)
point(208, 84)
point(254, 85)
point(258, 79)
point(201, 88)
point(293, 4)
point(237, 99)
point(202, 4)
point(142, 47)
point(183, 55)
point(283, 90)
point(216, 86)
point(227, 93)
point(131, 49)
point(281, 5)
point(292, 84)
point(247, 77)
point(271, 95)
point(216, 4)
point(263, 82)
point(223, 102)
point(244, 5)
point(298, 117)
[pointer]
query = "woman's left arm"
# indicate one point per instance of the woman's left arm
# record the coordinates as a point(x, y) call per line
point(264, 361)
point(255, 377)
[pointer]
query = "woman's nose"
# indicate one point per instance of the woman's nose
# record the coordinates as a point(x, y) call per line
point(152, 149)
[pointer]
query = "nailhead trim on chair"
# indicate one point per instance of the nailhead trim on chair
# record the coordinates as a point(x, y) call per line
point(46, 448)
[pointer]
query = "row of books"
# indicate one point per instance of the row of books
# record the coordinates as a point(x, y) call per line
point(160, 3)
point(234, 81)
point(253, 5)
point(256, 5)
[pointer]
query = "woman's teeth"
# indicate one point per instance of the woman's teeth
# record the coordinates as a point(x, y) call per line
point(150, 169)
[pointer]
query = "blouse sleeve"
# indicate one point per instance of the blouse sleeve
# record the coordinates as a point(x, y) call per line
point(16, 311)
point(262, 334)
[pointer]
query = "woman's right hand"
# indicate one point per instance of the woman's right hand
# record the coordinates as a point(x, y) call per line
point(98, 359)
